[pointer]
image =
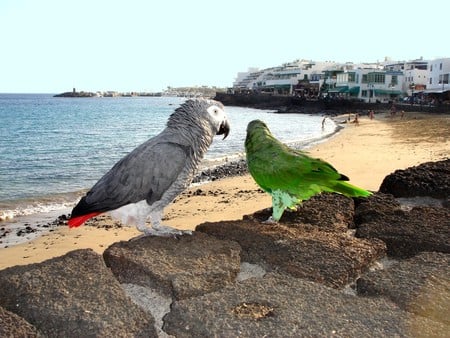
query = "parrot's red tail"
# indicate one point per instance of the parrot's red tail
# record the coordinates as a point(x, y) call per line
point(77, 221)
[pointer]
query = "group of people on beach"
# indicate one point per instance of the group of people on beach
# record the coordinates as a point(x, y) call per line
point(355, 119)
point(370, 114)
point(394, 112)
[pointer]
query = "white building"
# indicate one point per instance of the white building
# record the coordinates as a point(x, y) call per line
point(367, 82)
point(284, 79)
point(438, 75)
point(415, 74)
point(244, 78)
point(372, 82)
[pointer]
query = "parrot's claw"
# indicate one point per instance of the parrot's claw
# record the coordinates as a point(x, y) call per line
point(165, 231)
point(270, 220)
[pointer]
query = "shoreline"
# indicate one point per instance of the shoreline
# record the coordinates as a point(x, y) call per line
point(39, 198)
point(29, 215)
point(366, 153)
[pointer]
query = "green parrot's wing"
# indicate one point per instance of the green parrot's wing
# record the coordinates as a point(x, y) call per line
point(294, 172)
point(299, 174)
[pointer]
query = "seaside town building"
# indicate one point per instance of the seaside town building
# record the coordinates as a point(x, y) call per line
point(414, 81)
point(438, 77)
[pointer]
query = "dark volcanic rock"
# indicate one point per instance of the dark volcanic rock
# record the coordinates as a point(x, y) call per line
point(74, 295)
point(420, 285)
point(183, 266)
point(405, 233)
point(11, 325)
point(304, 251)
point(428, 179)
point(282, 306)
point(375, 208)
point(229, 169)
point(327, 212)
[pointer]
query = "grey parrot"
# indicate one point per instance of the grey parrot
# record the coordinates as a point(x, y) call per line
point(146, 180)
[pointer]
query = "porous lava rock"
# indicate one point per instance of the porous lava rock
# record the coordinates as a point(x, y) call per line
point(312, 243)
point(179, 266)
point(74, 295)
point(11, 325)
point(282, 306)
point(427, 179)
point(420, 285)
point(405, 232)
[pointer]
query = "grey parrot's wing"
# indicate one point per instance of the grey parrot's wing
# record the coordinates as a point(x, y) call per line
point(144, 174)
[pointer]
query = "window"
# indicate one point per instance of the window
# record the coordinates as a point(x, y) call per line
point(440, 66)
point(376, 78)
point(394, 80)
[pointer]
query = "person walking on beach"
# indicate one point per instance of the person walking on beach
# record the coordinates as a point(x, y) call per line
point(393, 110)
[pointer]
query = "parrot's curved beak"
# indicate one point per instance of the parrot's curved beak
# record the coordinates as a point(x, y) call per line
point(224, 129)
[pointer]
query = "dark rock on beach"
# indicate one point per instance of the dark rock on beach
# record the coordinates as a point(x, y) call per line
point(325, 212)
point(428, 179)
point(321, 271)
point(229, 169)
point(181, 267)
point(304, 249)
point(11, 325)
point(375, 207)
point(74, 295)
point(406, 233)
point(420, 285)
point(282, 306)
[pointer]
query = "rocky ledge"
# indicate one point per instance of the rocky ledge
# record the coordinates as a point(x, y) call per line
point(335, 267)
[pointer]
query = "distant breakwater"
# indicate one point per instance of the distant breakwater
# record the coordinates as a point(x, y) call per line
point(292, 104)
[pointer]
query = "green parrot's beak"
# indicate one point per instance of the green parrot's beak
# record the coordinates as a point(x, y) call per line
point(224, 129)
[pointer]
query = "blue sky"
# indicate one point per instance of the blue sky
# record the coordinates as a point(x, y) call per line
point(50, 46)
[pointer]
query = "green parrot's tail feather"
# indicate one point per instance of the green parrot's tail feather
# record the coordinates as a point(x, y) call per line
point(350, 190)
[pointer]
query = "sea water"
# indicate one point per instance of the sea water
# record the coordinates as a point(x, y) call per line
point(53, 149)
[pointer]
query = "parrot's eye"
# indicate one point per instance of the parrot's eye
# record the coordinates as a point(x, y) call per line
point(214, 110)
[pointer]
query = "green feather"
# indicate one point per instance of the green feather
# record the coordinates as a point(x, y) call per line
point(290, 176)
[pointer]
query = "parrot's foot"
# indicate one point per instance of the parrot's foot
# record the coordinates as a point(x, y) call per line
point(162, 231)
point(158, 229)
point(270, 220)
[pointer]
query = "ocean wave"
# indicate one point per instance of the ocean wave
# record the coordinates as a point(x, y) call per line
point(12, 209)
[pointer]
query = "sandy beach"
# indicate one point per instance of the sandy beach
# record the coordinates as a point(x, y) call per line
point(365, 152)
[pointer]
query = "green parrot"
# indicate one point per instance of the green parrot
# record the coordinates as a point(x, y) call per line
point(290, 176)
